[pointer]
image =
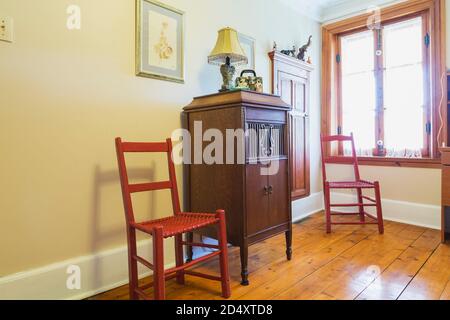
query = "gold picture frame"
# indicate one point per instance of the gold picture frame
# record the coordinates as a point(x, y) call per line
point(159, 41)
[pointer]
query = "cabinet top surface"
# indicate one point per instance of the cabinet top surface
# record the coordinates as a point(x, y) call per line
point(236, 97)
point(278, 56)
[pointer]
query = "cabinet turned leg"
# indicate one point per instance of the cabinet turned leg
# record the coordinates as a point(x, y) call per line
point(289, 245)
point(189, 249)
point(244, 265)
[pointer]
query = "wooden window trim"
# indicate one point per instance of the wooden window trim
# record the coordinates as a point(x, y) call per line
point(400, 162)
point(435, 9)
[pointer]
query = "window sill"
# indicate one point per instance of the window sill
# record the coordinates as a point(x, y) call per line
point(400, 162)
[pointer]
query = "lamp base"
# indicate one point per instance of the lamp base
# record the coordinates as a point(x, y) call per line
point(227, 72)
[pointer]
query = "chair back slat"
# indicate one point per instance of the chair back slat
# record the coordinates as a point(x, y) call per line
point(339, 160)
point(128, 189)
point(338, 138)
point(144, 147)
point(151, 186)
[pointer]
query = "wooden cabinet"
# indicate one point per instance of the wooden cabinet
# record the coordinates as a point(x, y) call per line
point(445, 194)
point(252, 189)
point(291, 81)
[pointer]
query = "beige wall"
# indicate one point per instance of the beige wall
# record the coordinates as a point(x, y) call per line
point(422, 186)
point(66, 94)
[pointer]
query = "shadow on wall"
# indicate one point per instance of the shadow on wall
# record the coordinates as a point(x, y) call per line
point(101, 233)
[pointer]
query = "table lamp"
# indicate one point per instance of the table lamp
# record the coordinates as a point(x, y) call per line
point(227, 53)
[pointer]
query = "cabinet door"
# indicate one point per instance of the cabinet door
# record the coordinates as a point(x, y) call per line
point(285, 87)
point(258, 218)
point(279, 195)
point(299, 124)
point(295, 91)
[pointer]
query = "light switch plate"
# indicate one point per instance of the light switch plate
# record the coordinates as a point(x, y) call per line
point(6, 29)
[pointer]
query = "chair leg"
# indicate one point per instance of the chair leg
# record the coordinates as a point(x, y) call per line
point(179, 257)
point(158, 263)
point(362, 216)
point(223, 245)
point(327, 207)
point(379, 208)
point(132, 264)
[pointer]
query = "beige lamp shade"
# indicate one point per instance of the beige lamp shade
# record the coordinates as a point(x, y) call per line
point(227, 46)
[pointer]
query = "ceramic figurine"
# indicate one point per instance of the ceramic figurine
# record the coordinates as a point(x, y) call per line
point(294, 50)
point(302, 51)
point(290, 53)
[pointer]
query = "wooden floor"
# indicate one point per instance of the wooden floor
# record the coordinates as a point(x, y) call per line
point(353, 262)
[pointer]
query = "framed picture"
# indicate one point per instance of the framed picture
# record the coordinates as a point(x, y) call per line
point(159, 41)
point(248, 44)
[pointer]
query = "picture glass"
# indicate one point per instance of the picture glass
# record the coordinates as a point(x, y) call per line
point(160, 47)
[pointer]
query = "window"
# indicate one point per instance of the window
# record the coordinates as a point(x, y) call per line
point(384, 100)
point(386, 84)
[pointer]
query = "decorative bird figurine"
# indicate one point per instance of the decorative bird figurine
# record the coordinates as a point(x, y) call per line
point(302, 51)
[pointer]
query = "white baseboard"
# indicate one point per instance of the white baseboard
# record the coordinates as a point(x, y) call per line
point(418, 214)
point(99, 273)
point(306, 207)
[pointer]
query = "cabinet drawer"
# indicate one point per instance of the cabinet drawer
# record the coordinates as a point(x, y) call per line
point(263, 115)
point(446, 186)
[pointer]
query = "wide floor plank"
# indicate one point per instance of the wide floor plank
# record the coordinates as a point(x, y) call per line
point(390, 284)
point(352, 271)
point(431, 281)
point(446, 294)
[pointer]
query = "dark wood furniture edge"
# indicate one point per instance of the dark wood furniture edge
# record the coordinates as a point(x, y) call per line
point(238, 98)
point(445, 192)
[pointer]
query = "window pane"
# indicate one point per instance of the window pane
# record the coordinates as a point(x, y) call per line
point(358, 89)
point(403, 88)
point(357, 53)
point(403, 43)
point(358, 116)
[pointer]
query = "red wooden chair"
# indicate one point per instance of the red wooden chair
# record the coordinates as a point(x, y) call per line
point(173, 226)
point(358, 185)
